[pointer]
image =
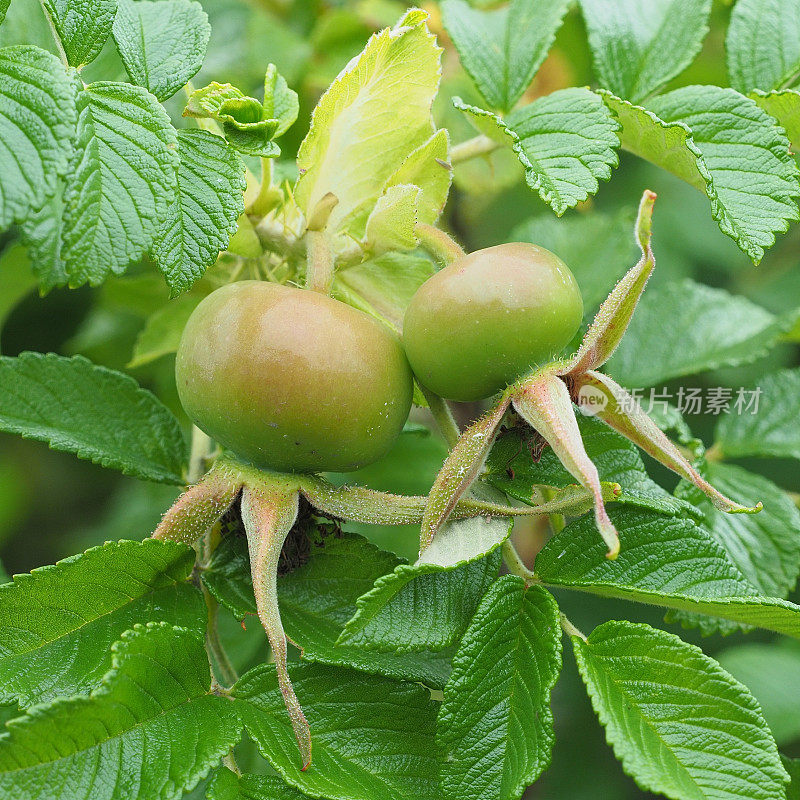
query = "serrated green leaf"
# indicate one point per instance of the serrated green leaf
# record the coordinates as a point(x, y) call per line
point(792, 767)
point(763, 44)
point(784, 105)
point(82, 26)
point(566, 142)
point(638, 48)
point(709, 328)
point(668, 145)
point(716, 156)
point(738, 139)
point(772, 430)
point(57, 624)
point(373, 737)
point(501, 49)
point(399, 68)
point(765, 546)
point(162, 44)
point(420, 606)
point(3, 8)
point(122, 178)
point(772, 673)
point(227, 785)
point(495, 726)
point(427, 168)
point(585, 241)
point(663, 561)
point(318, 598)
point(37, 120)
point(204, 211)
point(383, 286)
point(511, 468)
point(162, 330)
point(94, 412)
point(151, 730)
point(678, 722)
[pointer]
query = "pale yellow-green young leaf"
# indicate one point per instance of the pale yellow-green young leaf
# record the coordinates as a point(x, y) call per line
point(358, 138)
point(428, 167)
point(391, 224)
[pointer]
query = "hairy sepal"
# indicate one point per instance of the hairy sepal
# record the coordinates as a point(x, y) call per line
point(543, 401)
point(200, 507)
point(623, 413)
point(268, 514)
point(614, 315)
point(461, 467)
point(359, 504)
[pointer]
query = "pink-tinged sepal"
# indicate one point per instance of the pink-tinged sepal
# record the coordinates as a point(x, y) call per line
point(611, 320)
point(200, 507)
point(268, 514)
point(461, 467)
point(622, 412)
point(543, 401)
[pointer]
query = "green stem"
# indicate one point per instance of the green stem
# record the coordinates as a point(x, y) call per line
point(227, 672)
point(714, 453)
point(441, 246)
point(320, 264)
point(269, 196)
point(472, 148)
point(443, 416)
point(569, 628)
point(515, 564)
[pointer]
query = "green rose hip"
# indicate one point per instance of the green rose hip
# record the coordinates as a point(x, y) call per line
point(489, 317)
point(292, 380)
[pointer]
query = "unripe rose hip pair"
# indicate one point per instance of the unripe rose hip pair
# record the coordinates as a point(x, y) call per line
point(293, 380)
point(291, 383)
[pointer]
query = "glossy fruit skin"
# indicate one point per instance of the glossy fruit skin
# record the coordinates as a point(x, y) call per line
point(490, 317)
point(292, 380)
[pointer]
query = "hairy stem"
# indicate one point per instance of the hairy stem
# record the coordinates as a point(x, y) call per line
point(569, 628)
point(443, 416)
point(515, 564)
point(441, 246)
point(320, 265)
point(472, 148)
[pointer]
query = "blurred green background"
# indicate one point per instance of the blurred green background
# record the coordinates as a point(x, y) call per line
point(52, 505)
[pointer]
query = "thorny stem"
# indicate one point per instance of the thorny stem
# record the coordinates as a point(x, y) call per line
point(441, 246)
point(568, 627)
point(479, 146)
point(443, 416)
point(515, 564)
